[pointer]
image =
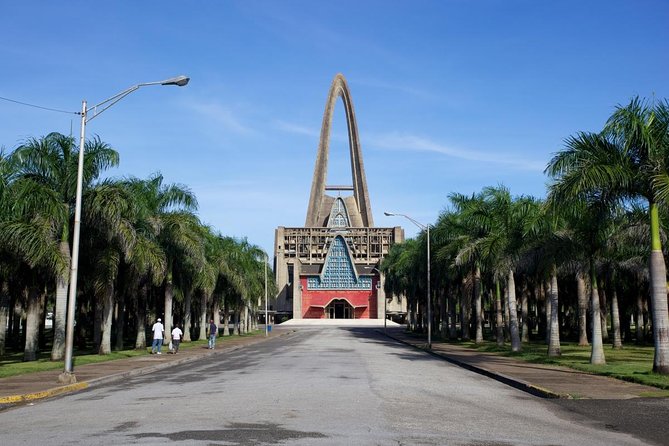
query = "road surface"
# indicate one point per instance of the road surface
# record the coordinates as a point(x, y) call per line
point(317, 386)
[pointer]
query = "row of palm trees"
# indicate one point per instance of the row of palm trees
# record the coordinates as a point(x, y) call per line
point(144, 253)
point(594, 244)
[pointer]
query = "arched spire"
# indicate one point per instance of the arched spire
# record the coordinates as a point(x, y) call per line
point(338, 89)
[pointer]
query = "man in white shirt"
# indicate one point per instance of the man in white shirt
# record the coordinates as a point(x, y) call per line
point(158, 331)
point(176, 339)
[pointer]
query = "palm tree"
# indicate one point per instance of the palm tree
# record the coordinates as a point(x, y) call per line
point(6, 172)
point(467, 234)
point(398, 268)
point(169, 208)
point(505, 220)
point(111, 239)
point(47, 174)
point(629, 159)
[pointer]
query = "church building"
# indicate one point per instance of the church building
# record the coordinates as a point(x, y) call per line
point(328, 269)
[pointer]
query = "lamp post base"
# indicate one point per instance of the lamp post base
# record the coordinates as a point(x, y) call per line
point(67, 378)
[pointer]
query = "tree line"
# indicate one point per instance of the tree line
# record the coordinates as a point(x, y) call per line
point(592, 251)
point(144, 253)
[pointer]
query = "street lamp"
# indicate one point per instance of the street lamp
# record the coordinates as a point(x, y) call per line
point(266, 321)
point(87, 114)
point(429, 298)
point(385, 300)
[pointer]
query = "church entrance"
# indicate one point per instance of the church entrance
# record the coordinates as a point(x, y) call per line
point(339, 309)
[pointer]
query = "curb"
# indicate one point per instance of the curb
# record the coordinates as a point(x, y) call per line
point(513, 382)
point(15, 399)
point(71, 388)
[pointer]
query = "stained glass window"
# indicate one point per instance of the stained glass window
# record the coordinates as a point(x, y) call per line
point(338, 273)
point(338, 215)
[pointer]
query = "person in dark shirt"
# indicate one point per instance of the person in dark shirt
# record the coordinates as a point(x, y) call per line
point(213, 329)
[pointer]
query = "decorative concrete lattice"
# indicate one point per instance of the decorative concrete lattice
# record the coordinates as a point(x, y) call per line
point(338, 271)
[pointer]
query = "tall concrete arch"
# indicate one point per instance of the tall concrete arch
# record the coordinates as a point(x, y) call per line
point(317, 200)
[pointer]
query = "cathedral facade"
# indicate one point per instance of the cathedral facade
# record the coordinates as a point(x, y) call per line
point(330, 267)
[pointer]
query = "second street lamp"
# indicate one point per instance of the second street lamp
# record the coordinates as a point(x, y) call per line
point(425, 228)
point(87, 114)
point(266, 321)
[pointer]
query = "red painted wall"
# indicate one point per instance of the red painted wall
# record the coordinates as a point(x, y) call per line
point(323, 297)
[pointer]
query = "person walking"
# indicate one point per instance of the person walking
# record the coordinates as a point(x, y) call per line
point(213, 329)
point(176, 339)
point(158, 333)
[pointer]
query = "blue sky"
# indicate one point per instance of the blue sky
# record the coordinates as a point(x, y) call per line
point(450, 95)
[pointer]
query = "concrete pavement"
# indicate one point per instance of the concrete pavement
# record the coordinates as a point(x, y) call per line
point(547, 381)
point(35, 386)
point(541, 380)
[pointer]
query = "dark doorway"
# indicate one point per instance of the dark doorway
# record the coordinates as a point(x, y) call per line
point(339, 309)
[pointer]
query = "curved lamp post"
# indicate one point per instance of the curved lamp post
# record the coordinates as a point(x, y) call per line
point(266, 321)
point(429, 298)
point(385, 300)
point(87, 114)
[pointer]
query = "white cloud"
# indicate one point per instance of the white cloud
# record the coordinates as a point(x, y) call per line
point(289, 127)
point(396, 141)
point(221, 115)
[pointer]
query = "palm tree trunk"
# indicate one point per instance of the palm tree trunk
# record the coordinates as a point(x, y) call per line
point(226, 318)
point(615, 320)
point(582, 309)
point(554, 341)
point(548, 309)
point(107, 310)
point(120, 324)
point(513, 315)
point(597, 354)
point(169, 299)
point(203, 316)
point(639, 318)
point(603, 313)
point(33, 312)
point(60, 310)
point(216, 310)
point(140, 321)
point(464, 310)
point(499, 322)
point(98, 315)
point(477, 305)
point(660, 313)
point(507, 329)
point(443, 314)
point(453, 328)
point(18, 313)
point(187, 315)
point(4, 315)
point(525, 329)
point(245, 317)
point(658, 279)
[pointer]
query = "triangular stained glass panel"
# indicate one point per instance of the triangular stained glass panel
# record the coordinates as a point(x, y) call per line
point(338, 273)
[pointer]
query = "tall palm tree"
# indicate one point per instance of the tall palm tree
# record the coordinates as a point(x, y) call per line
point(47, 167)
point(506, 219)
point(629, 159)
point(170, 208)
point(468, 231)
point(399, 268)
point(111, 238)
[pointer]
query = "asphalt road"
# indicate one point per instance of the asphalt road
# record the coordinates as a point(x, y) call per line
point(326, 386)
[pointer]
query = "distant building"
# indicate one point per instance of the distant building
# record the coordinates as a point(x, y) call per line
point(329, 267)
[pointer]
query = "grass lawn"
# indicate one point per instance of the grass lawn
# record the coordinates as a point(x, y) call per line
point(12, 364)
point(631, 363)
